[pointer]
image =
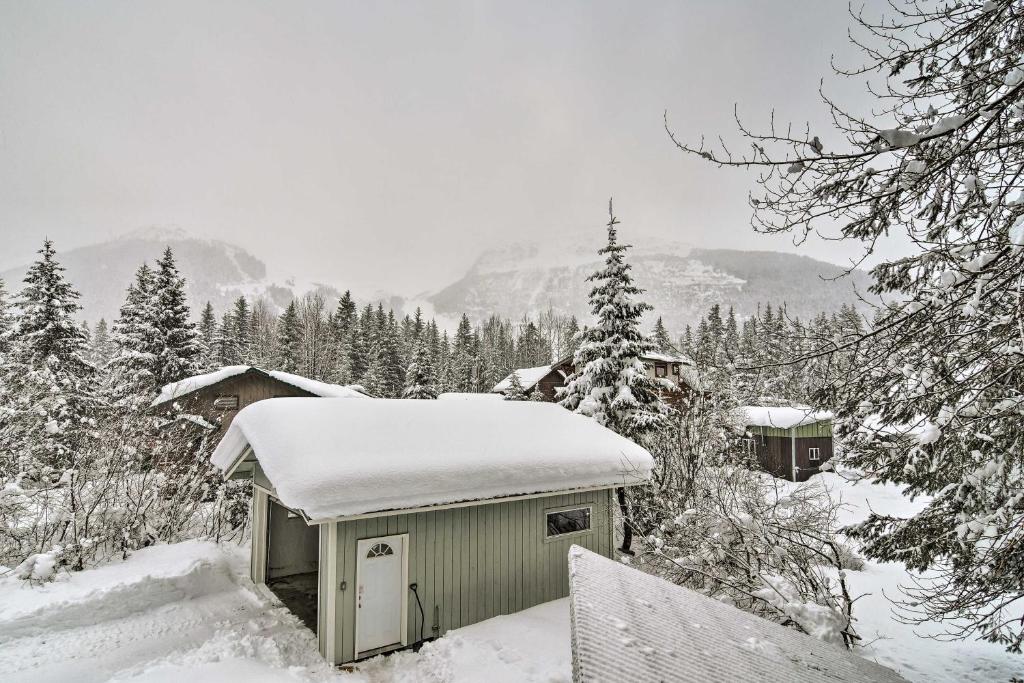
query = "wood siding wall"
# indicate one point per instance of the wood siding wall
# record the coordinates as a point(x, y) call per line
point(469, 563)
point(250, 387)
point(774, 449)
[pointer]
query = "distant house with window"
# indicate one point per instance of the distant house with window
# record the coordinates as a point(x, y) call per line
point(790, 443)
point(380, 537)
point(216, 397)
point(628, 625)
point(548, 379)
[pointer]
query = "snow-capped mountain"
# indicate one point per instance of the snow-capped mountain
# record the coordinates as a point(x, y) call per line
point(215, 271)
point(681, 282)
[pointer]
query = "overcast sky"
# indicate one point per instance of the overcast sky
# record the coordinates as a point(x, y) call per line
point(385, 144)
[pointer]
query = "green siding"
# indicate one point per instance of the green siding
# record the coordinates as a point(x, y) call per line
point(471, 563)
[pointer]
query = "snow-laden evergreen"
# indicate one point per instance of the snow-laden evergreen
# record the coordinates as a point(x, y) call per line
point(179, 352)
point(131, 373)
point(50, 397)
point(610, 383)
point(419, 381)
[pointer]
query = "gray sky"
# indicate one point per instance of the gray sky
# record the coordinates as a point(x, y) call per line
point(385, 144)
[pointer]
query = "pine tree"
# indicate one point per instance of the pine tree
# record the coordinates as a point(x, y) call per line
point(179, 353)
point(289, 340)
point(661, 338)
point(6, 320)
point(51, 383)
point(226, 350)
point(101, 347)
point(419, 383)
point(515, 392)
point(131, 375)
point(463, 360)
point(343, 327)
point(208, 337)
point(610, 383)
point(241, 331)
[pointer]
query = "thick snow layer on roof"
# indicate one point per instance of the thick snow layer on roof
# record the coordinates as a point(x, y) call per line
point(629, 625)
point(466, 396)
point(782, 417)
point(528, 377)
point(333, 458)
point(176, 390)
point(316, 387)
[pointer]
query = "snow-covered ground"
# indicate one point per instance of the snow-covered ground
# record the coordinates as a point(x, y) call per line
point(186, 612)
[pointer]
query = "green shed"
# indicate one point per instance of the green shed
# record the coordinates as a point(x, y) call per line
point(789, 442)
point(383, 523)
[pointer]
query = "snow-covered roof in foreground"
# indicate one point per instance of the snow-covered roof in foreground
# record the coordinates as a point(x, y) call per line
point(782, 417)
point(528, 377)
point(176, 390)
point(630, 625)
point(466, 396)
point(334, 458)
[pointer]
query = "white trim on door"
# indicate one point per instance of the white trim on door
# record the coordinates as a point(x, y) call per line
point(361, 546)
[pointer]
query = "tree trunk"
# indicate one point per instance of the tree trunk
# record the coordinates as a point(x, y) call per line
point(627, 525)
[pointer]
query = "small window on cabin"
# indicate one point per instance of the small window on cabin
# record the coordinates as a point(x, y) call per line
point(660, 370)
point(225, 403)
point(749, 446)
point(675, 369)
point(568, 521)
point(380, 550)
point(814, 454)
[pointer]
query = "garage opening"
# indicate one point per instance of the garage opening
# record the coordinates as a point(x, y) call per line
point(293, 558)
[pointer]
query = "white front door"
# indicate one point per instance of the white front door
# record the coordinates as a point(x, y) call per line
point(380, 592)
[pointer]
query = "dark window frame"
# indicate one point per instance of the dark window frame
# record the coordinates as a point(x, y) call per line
point(661, 370)
point(814, 454)
point(549, 537)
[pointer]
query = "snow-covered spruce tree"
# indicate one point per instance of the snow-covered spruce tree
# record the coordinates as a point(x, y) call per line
point(131, 377)
point(208, 336)
point(101, 346)
point(50, 382)
point(938, 160)
point(6, 320)
point(419, 382)
point(180, 349)
point(289, 340)
point(610, 383)
point(661, 338)
point(515, 392)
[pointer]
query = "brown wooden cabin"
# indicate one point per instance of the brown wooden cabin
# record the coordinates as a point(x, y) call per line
point(789, 443)
point(548, 379)
point(217, 396)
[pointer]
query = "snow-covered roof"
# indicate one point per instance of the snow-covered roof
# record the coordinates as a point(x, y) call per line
point(334, 458)
point(466, 396)
point(668, 358)
point(628, 625)
point(782, 417)
point(176, 390)
point(528, 377)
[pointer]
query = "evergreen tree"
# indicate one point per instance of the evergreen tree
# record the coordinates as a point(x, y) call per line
point(51, 383)
point(343, 327)
point(661, 338)
point(463, 360)
point(515, 392)
point(179, 352)
point(418, 380)
point(101, 346)
point(289, 340)
point(226, 350)
point(610, 383)
point(241, 331)
point(6, 320)
point(208, 337)
point(131, 375)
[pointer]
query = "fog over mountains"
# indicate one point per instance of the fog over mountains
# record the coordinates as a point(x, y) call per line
point(518, 279)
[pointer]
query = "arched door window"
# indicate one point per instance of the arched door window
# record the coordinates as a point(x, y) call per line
point(380, 550)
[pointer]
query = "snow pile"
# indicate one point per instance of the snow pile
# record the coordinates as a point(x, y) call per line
point(331, 458)
point(528, 378)
point(782, 417)
point(176, 390)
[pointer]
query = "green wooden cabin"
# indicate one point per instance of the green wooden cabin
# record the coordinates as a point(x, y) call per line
point(790, 443)
point(489, 536)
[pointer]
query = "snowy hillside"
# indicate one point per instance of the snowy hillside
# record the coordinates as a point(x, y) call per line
point(187, 612)
point(681, 282)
